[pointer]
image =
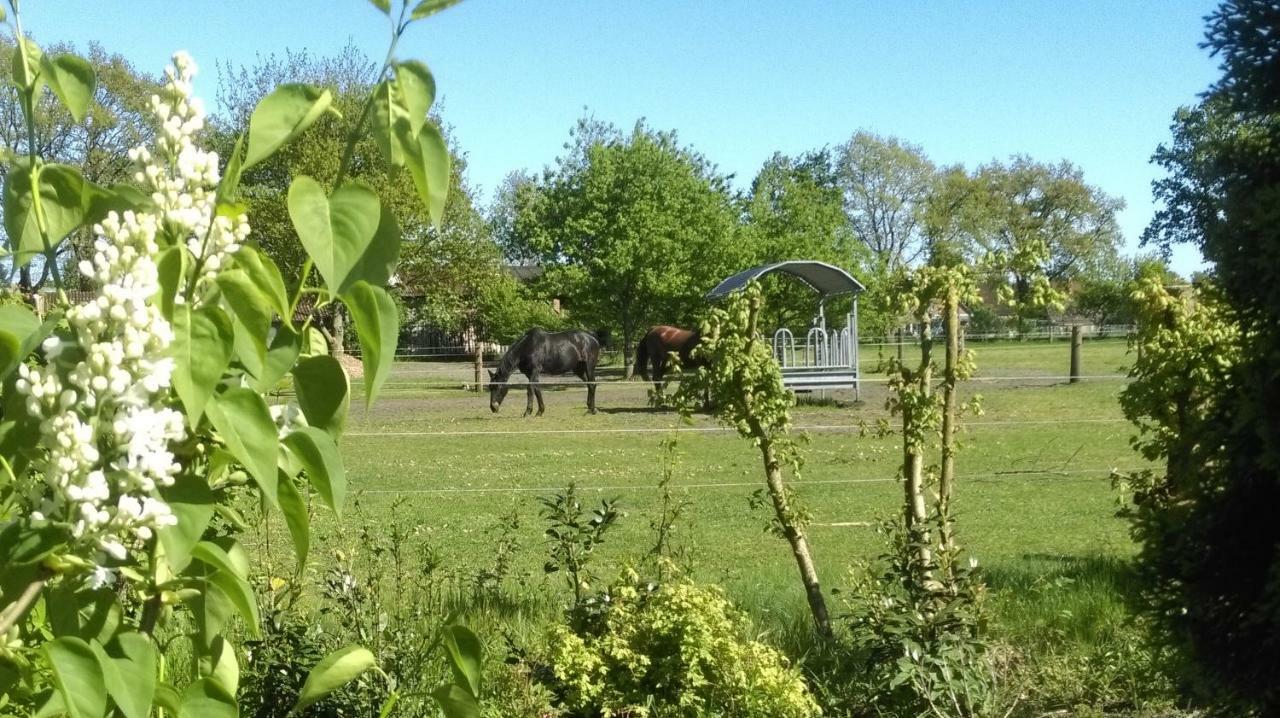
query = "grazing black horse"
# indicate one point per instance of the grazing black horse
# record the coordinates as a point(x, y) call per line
point(540, 352)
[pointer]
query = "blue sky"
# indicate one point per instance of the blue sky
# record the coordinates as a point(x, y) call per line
point(1092, 82)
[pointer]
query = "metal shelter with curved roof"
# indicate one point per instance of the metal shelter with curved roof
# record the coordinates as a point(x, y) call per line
point(828, 358)
point(825, 279)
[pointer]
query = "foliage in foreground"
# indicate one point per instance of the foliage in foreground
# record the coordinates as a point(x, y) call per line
point(132, 420)
point(667, 651)
point(922, 648)
point(738, 376)
point(1208, 399)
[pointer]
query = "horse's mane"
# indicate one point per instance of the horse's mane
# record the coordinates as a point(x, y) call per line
point(508, 361)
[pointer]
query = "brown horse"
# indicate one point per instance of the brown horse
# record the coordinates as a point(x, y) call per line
point(658, 344)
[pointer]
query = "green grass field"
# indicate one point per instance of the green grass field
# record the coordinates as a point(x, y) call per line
point(1035, 502)
point(1033, 486)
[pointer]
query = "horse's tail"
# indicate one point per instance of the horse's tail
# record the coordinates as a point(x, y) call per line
point(642, 357)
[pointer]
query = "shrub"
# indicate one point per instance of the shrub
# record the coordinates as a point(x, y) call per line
point(673, 650)
point(920, 642)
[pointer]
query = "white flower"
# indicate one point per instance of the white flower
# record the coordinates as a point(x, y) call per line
point(106, 426)
point(100, 577)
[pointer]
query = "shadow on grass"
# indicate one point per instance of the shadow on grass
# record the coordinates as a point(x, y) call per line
point(636, 410)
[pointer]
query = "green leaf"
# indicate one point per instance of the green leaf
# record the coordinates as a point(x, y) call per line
point(241, 596)
point(167, 697)
point(100, 201)
point(456, 702)
point(324, 393)
point(250, 306)
point(25, 78)
point(78, 677)
point(294, 508)
point(225, 670)
point(314, 344)
point(417, 91)
point(245, 424)
point(21, 543)
point(383, 5)
point(229, 185)
point(333, 672)
point(211, 608)
point(191, 501)
point(281, 356)
point(379, 261)
point(60, 202)
point(84, 613)
point(53, 706)
point(431, 7)
point(428, 162)
point(335, 230)
point(206, 699)
point(172, 270)
point(281, 116)
point(17, 322)
point(266, 276)
point(72, 80)
point(202, 344)
point(378, 325)
point(390, 122)
point(217, 557)
point(320, 458)
point(134, 658)
point(465, 655)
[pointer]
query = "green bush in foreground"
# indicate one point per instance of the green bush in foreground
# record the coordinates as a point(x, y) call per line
point(673, 650)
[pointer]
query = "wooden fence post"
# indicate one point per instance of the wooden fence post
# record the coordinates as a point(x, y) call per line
point(1077, 341)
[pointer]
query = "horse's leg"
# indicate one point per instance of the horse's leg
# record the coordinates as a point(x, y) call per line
point(528, 407)
point(659, 369)
point(588, 375)
point(537, 391)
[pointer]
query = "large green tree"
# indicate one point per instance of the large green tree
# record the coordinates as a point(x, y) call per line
point(795, 211)
point(1211, 548)
point(1048, 211)
point(885, 182)
point(631, 229)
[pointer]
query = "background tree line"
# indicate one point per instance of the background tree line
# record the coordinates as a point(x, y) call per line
point(631, 228)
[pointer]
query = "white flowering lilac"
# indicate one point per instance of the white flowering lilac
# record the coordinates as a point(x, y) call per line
point(105, 423)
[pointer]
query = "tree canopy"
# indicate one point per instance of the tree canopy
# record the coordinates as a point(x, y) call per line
point(1210, 547)
point(631, 228)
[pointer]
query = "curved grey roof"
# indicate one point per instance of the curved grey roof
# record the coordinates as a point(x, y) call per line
point(825, 279)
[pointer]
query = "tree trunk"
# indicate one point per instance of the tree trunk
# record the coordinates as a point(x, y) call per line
point(795, 536)
point(913, 446)
point(627, 330)
point(479, 366)
point(1077, 342)
point(946, 480)
point(337, 338)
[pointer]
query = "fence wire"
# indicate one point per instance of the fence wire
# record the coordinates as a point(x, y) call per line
point(992, 475)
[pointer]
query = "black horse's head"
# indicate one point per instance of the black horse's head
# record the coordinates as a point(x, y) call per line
point(497, 389)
